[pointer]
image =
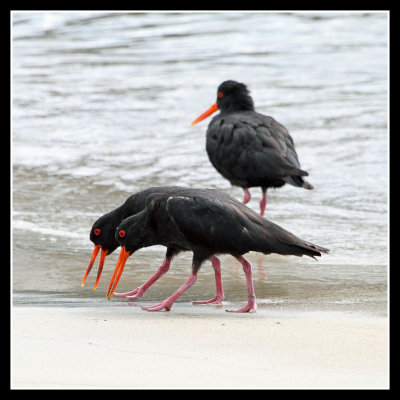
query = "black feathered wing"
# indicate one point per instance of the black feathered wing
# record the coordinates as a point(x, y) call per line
point(250, 146)
point(227, 226)
point(207, 224)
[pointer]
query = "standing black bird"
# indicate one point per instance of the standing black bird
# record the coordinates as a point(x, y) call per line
point(207, 222)
point(102, 235)
point(248, 148)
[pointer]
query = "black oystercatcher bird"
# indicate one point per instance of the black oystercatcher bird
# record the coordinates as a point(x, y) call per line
point(207, 222)
point(248, 148)
point(102, 235)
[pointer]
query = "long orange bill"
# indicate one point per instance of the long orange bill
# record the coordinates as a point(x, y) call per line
point(92, 260)
point(206, 114)
point(115, 270)
point(102, 258)
point(123, 256)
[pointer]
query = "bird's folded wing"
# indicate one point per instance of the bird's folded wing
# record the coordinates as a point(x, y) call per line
point(252, 145)
point(206, 221)
point(259, 149)
point(224, 226)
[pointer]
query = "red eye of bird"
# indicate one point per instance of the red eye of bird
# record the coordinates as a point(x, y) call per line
point(121, 233)
point(97, 231)
point(220, 95)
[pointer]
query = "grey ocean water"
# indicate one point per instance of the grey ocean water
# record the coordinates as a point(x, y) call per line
point(101, 107)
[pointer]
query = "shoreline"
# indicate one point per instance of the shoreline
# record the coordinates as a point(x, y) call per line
point(198, 347)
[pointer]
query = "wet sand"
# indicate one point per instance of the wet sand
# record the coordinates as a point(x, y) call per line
point(198, 347)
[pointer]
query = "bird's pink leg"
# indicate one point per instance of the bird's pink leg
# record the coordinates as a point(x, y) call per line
point(218, 282)
point(138, 292)
point(251, 305)
point(247, 196)
point(167, 303)
point(263, 201)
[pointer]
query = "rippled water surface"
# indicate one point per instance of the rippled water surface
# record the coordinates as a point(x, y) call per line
point(101, 108)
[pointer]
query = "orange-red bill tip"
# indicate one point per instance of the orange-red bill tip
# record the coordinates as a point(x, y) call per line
point(205, 114)
point(92, 260)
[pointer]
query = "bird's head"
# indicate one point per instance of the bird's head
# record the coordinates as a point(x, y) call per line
point(132, 234)
point(102, 235)
point(231, 96)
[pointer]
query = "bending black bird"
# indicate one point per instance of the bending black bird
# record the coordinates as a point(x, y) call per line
point(102, 235)
point(248, 148)
point(206, 222)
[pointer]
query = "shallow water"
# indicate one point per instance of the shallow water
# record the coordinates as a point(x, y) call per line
point(101, 107)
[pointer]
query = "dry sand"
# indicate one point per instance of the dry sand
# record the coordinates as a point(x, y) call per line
point(198, 347)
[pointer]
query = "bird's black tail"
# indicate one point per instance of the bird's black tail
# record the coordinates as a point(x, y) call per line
point(298, 181)
point(269, 237)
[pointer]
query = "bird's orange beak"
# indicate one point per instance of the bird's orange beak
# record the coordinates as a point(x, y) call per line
point(206, 114)
point(102, 258)
point(123, 256)
point(92, 260)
